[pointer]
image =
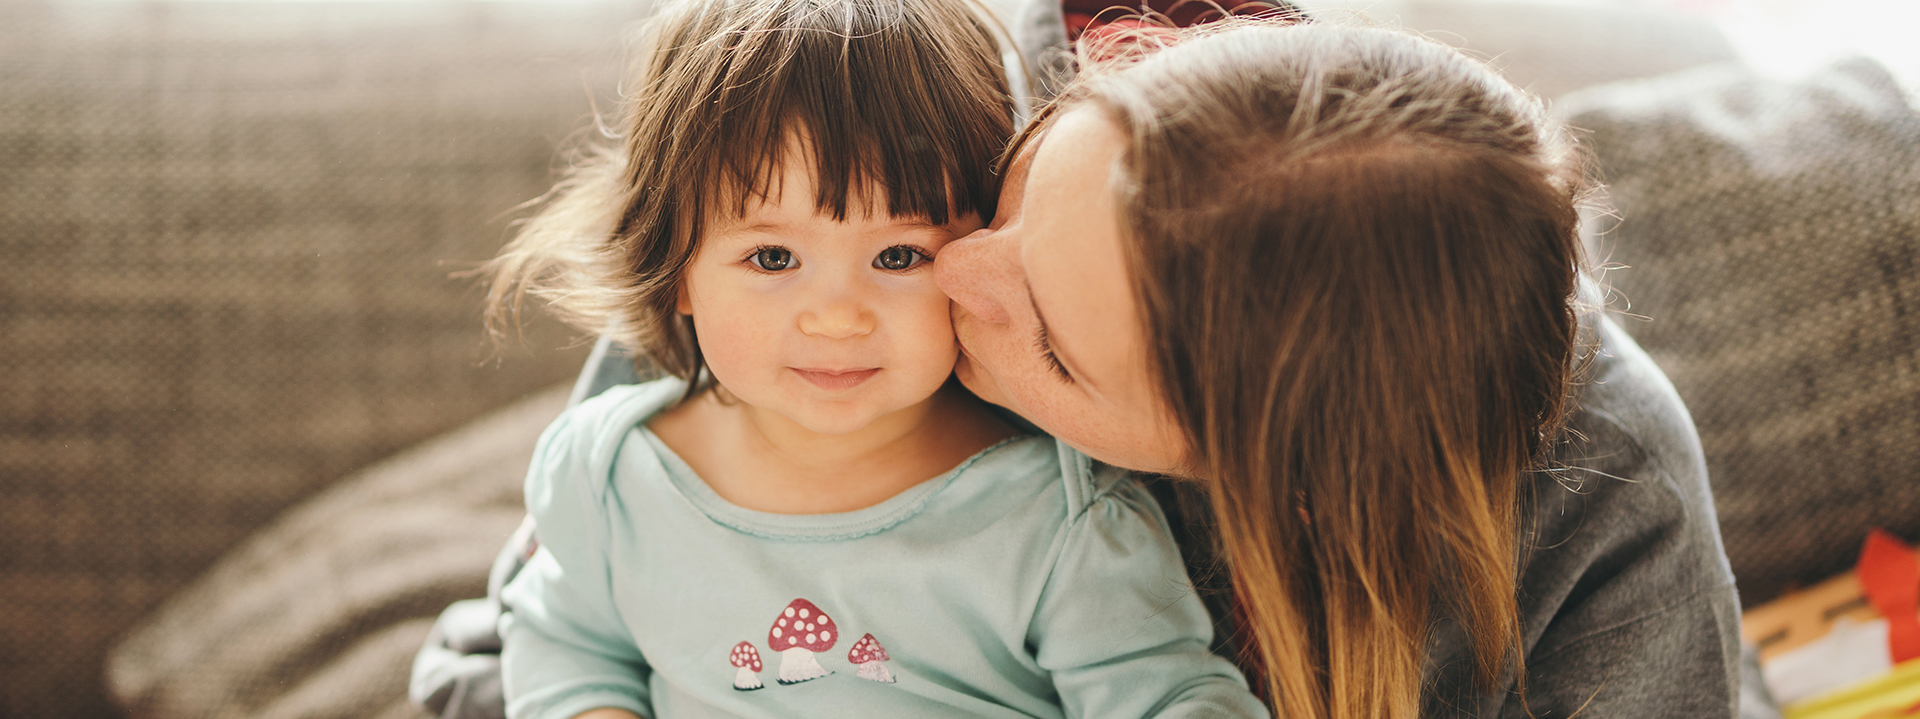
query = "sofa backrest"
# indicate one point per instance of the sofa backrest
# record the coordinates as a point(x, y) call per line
point(1767, 233)
point(226, 233)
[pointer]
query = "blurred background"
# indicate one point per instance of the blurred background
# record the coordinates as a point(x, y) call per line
point(253, 436)
point(227, 230)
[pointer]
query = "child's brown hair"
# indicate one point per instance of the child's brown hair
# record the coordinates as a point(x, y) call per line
point(901, 98)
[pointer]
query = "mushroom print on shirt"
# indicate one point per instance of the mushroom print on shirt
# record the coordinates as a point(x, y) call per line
point(747, 659)
point(1038, 582)
point(869, 655)
point(799, 631)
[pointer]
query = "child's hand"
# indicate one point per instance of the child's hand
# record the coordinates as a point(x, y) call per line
point(606, 714)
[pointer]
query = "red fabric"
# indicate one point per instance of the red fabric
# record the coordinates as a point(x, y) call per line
point(1084, 15)
point(1891, 577)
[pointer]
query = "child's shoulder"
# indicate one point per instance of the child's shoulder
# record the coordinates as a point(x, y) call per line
point(1092, 481)
point(630, 401)
point(575, 457)
point(1083, 481)
point(601, 423)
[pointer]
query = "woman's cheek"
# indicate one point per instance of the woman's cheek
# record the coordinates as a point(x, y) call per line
point(1072, 416)
point(1025, 382)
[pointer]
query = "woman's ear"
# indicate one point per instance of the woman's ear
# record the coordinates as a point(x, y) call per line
point(683, 302)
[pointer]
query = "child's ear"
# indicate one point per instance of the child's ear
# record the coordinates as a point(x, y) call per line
point(682, 302)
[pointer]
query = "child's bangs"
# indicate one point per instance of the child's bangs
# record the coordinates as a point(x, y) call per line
point(894, 99)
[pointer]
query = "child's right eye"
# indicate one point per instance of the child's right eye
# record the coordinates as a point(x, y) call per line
point(772, 259)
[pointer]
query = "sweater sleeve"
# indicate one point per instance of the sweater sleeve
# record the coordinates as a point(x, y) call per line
point(566, 649)
point(1628, 607)
point(1635, 613)
point(1120, 627)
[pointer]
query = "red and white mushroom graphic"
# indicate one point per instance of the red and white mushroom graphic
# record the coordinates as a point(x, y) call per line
point(799, 631)
point(868, 654)
point(748, 659)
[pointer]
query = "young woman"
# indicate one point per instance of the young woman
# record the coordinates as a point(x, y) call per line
point(1331, 275)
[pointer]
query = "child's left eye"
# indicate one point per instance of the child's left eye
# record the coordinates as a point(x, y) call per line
point(900, 257)
point(772, 259)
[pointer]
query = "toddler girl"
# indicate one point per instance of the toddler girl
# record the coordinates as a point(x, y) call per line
point(807, 518)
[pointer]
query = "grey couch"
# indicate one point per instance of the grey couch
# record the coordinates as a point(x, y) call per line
point(226, 235)
point(228, 229)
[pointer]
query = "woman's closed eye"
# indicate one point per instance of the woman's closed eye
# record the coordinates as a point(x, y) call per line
point(1043, 345)
point(901, 258)
point(771, 258)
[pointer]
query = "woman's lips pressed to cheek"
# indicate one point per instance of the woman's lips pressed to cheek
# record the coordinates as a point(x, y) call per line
point(836, 379)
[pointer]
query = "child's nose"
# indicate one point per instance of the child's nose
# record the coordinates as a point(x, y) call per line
point(839, 318)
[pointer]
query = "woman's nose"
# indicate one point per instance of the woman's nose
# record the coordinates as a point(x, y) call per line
point(978, 271)
point(838, 318)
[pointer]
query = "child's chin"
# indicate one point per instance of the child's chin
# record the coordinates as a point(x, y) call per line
point(836, 422)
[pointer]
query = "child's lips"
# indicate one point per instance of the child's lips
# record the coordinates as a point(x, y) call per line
point(829, 379)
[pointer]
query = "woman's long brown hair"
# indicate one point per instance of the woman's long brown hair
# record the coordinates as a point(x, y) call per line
point(1355, 253)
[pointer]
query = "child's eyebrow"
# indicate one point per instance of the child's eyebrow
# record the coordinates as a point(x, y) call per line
point(757, 228)
point(921, 224)
point(777, 228)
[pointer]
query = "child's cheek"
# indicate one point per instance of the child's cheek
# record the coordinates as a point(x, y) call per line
point(927, 323)
point(738, 331)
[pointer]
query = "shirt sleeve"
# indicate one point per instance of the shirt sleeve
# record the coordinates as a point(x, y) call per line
point(1121, 628)
point(1628, 600)
point(1670, 662)
point(565, 648)
point(1641, 617)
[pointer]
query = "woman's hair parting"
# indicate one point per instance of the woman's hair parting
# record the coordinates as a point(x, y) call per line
point(1401, 221)
point(901, 101)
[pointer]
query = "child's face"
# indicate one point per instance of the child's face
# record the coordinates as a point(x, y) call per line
point(831, 324)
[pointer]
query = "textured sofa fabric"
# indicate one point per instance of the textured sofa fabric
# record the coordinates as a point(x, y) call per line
point(227, 230)
point(1769, 231)
point(333, 599)
point(1551, 48)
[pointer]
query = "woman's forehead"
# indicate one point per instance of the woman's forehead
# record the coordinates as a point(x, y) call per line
point(1071, 245)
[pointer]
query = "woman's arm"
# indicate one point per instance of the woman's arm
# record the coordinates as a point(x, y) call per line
point(1627, 602)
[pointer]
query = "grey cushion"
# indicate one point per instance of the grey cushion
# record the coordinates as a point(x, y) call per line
point(1769, 231)
point(227, 230)
point(319, 614)
point(1551, 48)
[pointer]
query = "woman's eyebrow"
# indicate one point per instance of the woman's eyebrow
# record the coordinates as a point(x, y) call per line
point(1046, 340)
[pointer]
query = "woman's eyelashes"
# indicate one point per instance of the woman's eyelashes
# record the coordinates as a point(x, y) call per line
point(1044, 345)
point(898, 258)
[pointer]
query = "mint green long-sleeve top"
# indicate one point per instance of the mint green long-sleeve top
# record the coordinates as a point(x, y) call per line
point(1027, 582)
